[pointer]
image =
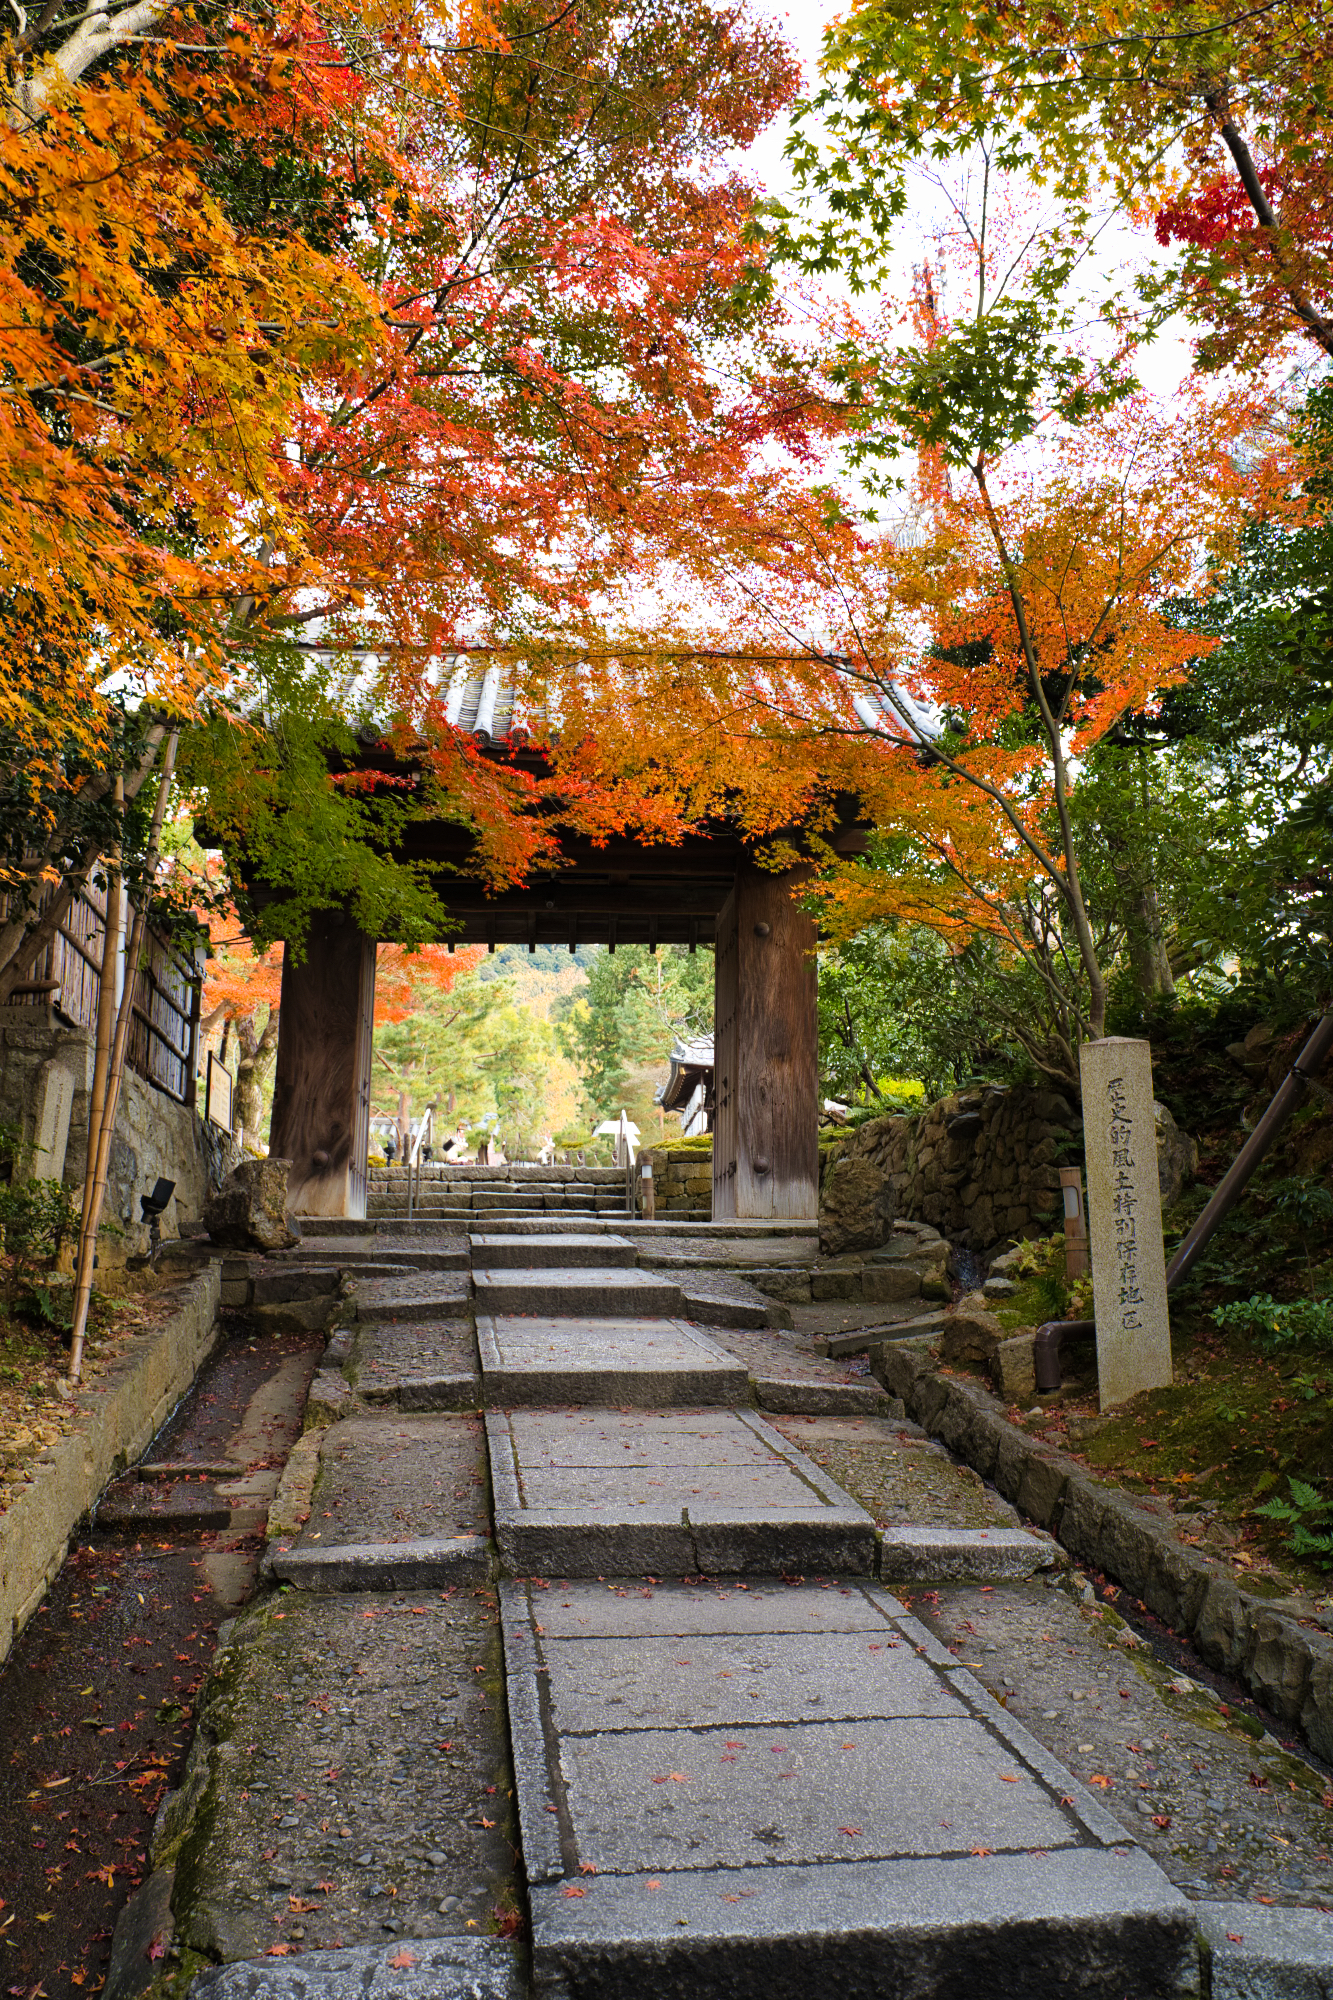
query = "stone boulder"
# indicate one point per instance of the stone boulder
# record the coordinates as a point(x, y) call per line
point(855, 1206)
point(249, 1210)
point(1177, 1156)
point(970, 1333)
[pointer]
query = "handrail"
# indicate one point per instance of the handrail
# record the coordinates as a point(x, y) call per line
point(1288, 1097)
point(427, 1125)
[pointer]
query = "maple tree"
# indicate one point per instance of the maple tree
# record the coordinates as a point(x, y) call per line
point(387, 331)
point(1212, 123)
point(973, 656)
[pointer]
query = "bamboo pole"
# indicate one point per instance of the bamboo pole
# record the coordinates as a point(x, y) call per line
point(106, 1003)
point(99, 1166)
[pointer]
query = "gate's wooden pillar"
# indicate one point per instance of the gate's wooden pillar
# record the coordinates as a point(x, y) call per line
point(321, 1092)
point(765, 1054)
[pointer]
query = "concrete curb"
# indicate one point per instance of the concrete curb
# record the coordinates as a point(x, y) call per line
point(419, 1564)
point(1284, 1666)
point(117, 1416)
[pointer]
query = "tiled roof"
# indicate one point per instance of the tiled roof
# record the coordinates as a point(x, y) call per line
point(688, 1061)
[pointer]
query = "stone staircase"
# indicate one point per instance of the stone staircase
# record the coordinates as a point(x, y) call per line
point(464, 1194)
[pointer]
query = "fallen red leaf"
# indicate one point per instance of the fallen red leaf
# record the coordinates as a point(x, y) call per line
point(402, 1959)
point(574, 1890)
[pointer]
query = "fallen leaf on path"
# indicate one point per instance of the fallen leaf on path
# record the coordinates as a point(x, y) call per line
point(402, 1959)
point(574, 1890)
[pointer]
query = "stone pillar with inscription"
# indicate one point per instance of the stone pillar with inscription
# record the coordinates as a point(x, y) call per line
point(1125, 1213)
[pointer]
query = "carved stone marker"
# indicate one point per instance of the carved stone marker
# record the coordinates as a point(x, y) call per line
point(1125, 1211)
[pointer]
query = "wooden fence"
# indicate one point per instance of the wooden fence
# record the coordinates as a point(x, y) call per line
point(164, 1028)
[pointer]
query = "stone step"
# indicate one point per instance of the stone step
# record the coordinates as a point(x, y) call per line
point(424, 1295)
point(563, 1248)
point(530, 1361)
point(784, 1791)
point(588, 1292)
point(664, 1492)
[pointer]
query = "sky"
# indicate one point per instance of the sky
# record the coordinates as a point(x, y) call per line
point(1161, 368)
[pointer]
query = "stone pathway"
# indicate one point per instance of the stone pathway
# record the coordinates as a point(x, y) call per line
point(692, 1745)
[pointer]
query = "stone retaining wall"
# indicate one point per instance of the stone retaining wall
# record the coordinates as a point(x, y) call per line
point(120, 1411)
point(1286, 1666)
point(682, 1180)
point(980, 1166)
point(463, 1176)
point(45, 1081)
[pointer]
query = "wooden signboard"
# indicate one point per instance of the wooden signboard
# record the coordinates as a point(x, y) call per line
point(217, 1094)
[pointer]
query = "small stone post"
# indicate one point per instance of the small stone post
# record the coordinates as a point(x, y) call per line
point(1125, 1211)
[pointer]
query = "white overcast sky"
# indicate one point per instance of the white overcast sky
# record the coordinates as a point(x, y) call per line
point(803, 24)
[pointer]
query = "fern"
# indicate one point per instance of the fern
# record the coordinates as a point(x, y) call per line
point(1310, 1519)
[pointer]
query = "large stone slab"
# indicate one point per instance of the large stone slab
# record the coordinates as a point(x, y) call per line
point(641, 1361)
point(456, 1968)
point(419, 1564)
point(566, 1247)
point(670, 1493)
point(601, 1292)
point(1254, 1953)
point(963, 1555)
point(779, 1792)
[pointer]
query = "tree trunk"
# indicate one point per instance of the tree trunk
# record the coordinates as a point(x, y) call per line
point(257, 1052)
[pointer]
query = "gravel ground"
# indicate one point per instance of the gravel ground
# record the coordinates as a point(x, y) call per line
point(392, 1351)
point(899, 1475)
point(360, 1787)
point(1223, 1808)
point(1226, 1809)
point(393, 1478)
point(776, 1354)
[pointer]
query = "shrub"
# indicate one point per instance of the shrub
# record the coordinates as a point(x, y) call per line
point(1274, 1325)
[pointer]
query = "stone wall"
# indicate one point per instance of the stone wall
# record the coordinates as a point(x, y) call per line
point(45, 1081)
point(682, 1180)
point(980, 1166)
